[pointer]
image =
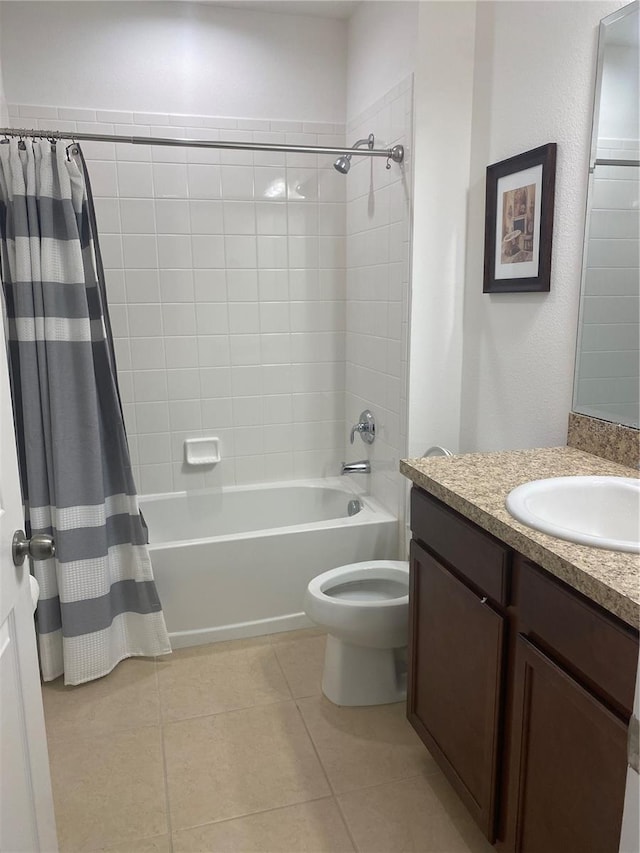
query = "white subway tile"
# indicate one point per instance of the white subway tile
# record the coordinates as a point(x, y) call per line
point(215, 382)
point(302, 218)
point(176, 285)
point(244, 350)
point(274, 317)
point(212, 319)
point(276, 348)
point(271, 218)
point(248, 440)
point(246, 380)
point(185, 414)
point(247, 411)
point(277, 409)
point(152, 417)
point(204, 181)
point(172, 216)
point(217, 413)
point(272, 252)
point(147, 353)
point(208, 251)
point(142, 285)
point(213, 351)
point(107, 215)
point(278, 438)
point(183, 384)
point(104, 179)
point(174, 251)
point(273, 285)
point(150, 385)
point(181, 352)
point(155, 479)
point(206, 217)
point(210, 286)
point(244, 318)
point(111, 251)
point(154, 447)
point(170, 180)
point(240, 252)
point(144, 320)
point(134, 180)
point(140, 251)
point(270, 184)
point(237, 183)
point(119, 321)
point(239, 217)
point(138, 216)
point(179, 319)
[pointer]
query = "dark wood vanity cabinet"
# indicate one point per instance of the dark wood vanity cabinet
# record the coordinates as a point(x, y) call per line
point(519, 686)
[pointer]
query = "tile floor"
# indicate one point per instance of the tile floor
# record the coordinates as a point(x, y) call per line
point(231, 748)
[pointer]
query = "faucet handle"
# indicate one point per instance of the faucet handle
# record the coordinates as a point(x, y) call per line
point(366, 427)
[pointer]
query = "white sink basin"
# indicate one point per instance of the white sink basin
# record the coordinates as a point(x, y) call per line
point(599, 511)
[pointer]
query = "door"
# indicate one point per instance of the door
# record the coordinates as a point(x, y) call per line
point(26, 804)
point(455, 681)
point(567, 762)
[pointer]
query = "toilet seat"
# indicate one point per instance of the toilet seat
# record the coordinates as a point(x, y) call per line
point(386, 573)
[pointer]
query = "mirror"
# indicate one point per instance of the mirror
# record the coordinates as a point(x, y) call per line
point(607, 376)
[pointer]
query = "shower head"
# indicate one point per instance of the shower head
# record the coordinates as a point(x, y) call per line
point(343, 163)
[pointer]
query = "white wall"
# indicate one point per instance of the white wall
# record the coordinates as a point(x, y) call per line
point(443, 102)
point(382, 43)
point(533, 83)
point(98, 55)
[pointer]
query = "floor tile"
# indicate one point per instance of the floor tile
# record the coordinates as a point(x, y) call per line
point(308, 828)
point(159, 844)
point(127, 698)
point(236, 763)
point(364, 746)
point(302, 661)
point(406, 817)
point(220, 677)
point(108, 790)
point(298, 634)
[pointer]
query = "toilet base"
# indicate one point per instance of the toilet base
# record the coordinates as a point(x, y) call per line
point(357, 675)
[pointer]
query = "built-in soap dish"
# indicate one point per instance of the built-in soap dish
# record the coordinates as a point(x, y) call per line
point(201, 451)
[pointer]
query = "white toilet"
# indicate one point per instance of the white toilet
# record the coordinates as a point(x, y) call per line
point(364, 608)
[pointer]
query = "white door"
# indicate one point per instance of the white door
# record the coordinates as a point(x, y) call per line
point(26, 804)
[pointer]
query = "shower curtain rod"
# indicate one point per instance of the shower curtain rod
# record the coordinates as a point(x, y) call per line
point(395, 153)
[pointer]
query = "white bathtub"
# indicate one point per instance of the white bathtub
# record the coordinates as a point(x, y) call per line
point(235, 562)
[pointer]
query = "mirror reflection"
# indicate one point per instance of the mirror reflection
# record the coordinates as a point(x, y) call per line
point(607, 381)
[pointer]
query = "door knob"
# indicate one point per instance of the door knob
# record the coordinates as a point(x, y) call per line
point(39, 547)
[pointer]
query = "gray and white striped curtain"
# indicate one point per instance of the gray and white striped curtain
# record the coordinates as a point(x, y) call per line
point(98, 601)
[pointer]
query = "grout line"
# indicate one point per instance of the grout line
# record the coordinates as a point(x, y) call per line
point(326, 775)
point(164, 763)
point(251, 814)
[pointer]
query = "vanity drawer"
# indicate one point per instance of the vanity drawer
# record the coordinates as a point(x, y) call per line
point(590, 643)
point(473, 554)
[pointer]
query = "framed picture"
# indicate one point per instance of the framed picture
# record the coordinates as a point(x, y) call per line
point(519, 222)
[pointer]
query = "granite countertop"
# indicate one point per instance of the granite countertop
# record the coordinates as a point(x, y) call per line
point(476, 485)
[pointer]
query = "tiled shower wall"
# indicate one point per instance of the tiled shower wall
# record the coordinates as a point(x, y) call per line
point(609, 364)
point(226, 280)
point(378, 229)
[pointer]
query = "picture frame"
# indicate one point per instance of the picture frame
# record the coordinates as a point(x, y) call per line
point(519, 222)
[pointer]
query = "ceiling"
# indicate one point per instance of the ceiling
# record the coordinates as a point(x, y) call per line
point(316, 8)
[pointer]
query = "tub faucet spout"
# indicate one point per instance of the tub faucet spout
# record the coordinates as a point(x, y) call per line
point(362, 467)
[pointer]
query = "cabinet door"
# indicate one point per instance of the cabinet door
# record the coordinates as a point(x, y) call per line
point(568, 763)
point(455, 680)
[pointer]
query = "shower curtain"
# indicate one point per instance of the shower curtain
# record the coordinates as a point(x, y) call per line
point(98, 600)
